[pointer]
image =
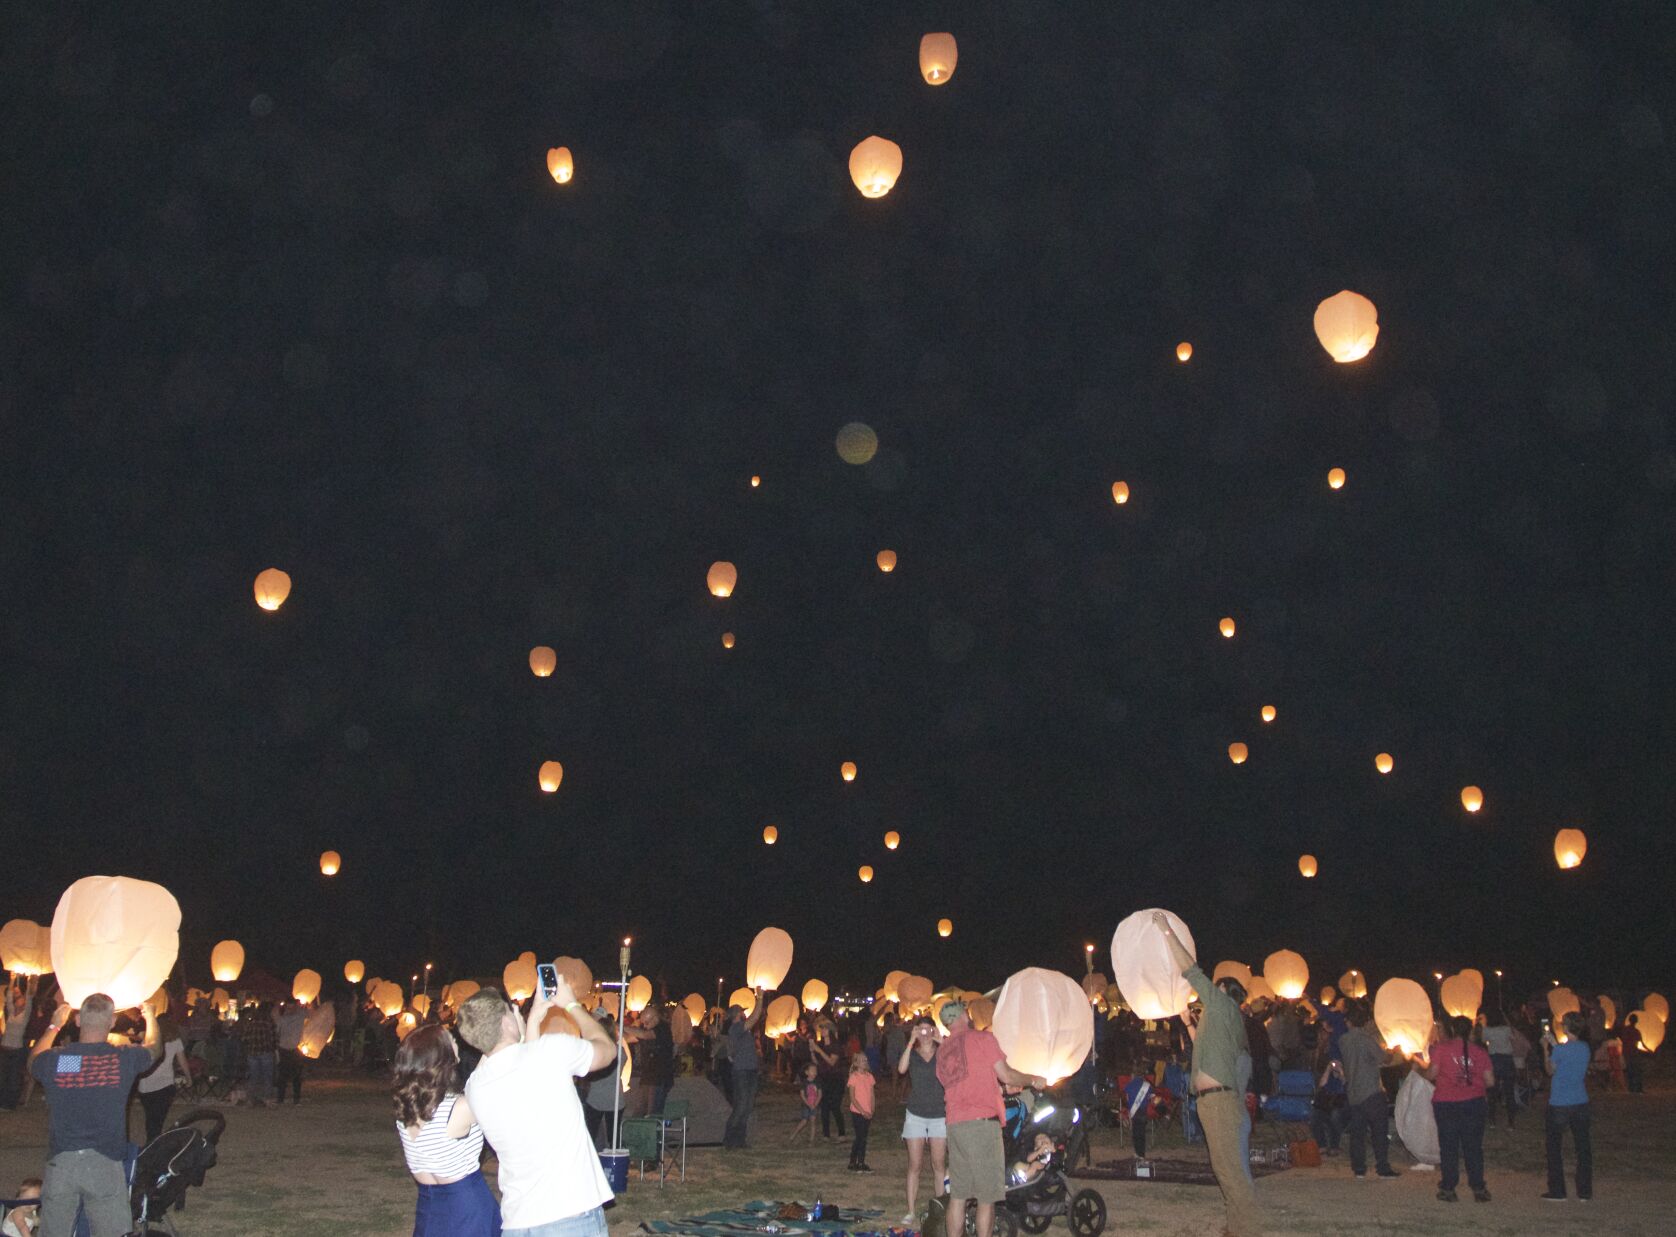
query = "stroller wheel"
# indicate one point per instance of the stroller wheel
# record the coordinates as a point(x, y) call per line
point(1088, 1213)
point(1034, 1224)
point(1006, 1223)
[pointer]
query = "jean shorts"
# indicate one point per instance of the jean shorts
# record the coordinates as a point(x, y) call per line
point(915, 1128)
point(588, 1224)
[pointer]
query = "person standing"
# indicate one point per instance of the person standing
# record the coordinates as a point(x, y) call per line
point(441, 1141)
point(1568, 1108)
point(1462, 1073)
point(87, 1086)
point(660, 1055)
point(1498, 1042)
point(256, 1039)
point(1629, 1035)
point(972, 1067)
point(925, 1126)
point(523, 1094)
point(1363, 1054)
point(829, 1061)
point(742, 1051)
point(14, 1041)
point(1218, 1040)
point(288, 1056)
point(858, 1091)
point(157, 1088)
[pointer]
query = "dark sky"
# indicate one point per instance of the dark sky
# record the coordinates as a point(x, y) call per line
point(289, 286)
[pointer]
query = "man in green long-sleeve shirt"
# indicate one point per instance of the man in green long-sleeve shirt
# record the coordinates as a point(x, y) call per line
point(1218, 1040)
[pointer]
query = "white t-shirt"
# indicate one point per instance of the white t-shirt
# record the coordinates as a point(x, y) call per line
point(163, 1076)
point(525, 1099)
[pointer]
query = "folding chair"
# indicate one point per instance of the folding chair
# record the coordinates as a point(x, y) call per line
point(672, 1120)
point(640, 1140)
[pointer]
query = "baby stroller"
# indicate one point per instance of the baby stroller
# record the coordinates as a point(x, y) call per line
point(170, 1165)
point(1033, 1201)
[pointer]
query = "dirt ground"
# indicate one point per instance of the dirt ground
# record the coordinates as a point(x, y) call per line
point(331, 1168)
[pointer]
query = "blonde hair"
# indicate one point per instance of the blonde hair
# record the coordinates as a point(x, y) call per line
point(860, 1065)
point(480, 1018)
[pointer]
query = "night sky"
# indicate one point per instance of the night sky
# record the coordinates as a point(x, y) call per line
point(290, 286)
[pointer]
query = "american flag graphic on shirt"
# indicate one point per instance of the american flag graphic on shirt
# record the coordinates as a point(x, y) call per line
point(101, 1069)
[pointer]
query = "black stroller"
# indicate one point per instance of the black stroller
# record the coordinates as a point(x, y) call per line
point(170, 1165)
point(1033, 1201)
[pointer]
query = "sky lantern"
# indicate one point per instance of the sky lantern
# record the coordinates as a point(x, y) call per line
point(1259, 989)
point(866, 874)
point(330, 862)
point(1608, 1010)
point(1044, 1023)
point(913, 993)
point(893, 839)
point(1651, 1027)
point(937, 56)
point(847, 770)
point(227, 961)
point(1347, 324)
point(856, 443)
point(982, 1013)
point(1383, 762)
point(116, 935)
point(745, 999)
point(1145, 969)
point(25, 948)
point(727, 640)
point(780, 1018)
point(576, 973)
point(1268, 713)
point(815, 996)
point(1403, 1013)
point(1184, 352)
point(305, 987)
point(1353, 984)
point(1226, 627)
point(320, 1024)
point(696, 1006)
point(1120, 492)
point(550, 775)
point(1569, 847)
point(354, 971)
point(1472, 798)
point(1237, 752)
point(639, 994)
point(1329, 994)
point(875, 163)
point(945, 927)
point(755, 481)
point(560, 166)
point(1287, 973)
point(1232, 970)
point(1460, 997)
point(273, 586)
point(886, 560)
point(770, 835)
point(1335, 478)
point(769, 959)
point(892, 987)
point(721, 579)
point(518, 979)
point(1657, 1006)
point(543, 660)
point(1307, 866)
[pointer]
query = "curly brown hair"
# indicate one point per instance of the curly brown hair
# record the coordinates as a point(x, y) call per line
point(427, 1068)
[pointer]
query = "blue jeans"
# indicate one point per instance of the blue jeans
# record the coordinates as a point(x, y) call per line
point(1574, 1117)
point(259, 1083)
point(744, 1099)
point(1366, 1122)
point(1506, 1073)
point(588, 1224)
point(1460, 1135)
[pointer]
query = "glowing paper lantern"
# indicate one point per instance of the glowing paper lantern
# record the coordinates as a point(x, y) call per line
point(1651, 1027)
point(354, 971)
point(116, 935)
point(945, 927)
point(1259, 989)
point(780, 1018)
point(847, 770)
point(982, 1013)
point(755, 481)
point(1226, 627)
point(1608, 1011)
point(1460, 999)
point(1383, 762)
point(815, 995)
point(1184, 352)
point(913, 993)
point(727, 639)
point(1657, 1005)
point(226, 961)
point(273, 586)
point(1120, 492)
point(220, 1000)
point(1476, 979)
point(1472, 798)
point(518, 979)
point(1144, 968)
point(866, 873)
point(892, 988)
point(770, 835)
point(543, 660)
point(1237, 753)
point(305, 987)
point(639, 994)
point(320, 1024)
point(560, 166)
point(1335, 478)
point(25, 948)
point(1232, 970)
point(875, 163)
point(406, 1025)
point(696, 1007)
point(745, 999)
point(886, 560)
point(937, 56)
point(1307, 866)
point(1569, 847)
point(722, 579)
point(1044, 1023)
point(1329, 994)
point(1287, 973)
point(857, 443)
point(1347, 324)
point(550, 775)
point(893, 839)
point(576, 973)
point(769, 959)
point(459, 992)
point(330, 862)
point(1268, 713)
point(1403, 1013)
point(1094, 986)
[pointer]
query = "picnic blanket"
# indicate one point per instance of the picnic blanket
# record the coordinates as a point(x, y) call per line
point(759, 1217)
point(1183, 1171)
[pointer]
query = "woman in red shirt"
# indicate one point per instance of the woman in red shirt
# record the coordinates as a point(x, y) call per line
point(1461, 1070)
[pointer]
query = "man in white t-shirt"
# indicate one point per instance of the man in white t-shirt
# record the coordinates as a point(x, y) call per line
point(523, 1094)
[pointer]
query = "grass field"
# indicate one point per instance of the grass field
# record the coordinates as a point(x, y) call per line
point(331, 1168)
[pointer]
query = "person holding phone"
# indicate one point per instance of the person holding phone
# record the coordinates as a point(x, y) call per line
point(523, 1094)
point(925, 1127)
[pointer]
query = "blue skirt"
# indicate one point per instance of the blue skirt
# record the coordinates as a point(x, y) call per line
point(463, 1208)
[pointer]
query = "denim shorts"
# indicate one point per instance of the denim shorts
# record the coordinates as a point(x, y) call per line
point(588, 1224)
point(915, 1128)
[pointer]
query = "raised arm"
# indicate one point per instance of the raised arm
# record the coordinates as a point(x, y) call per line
point(605, 1049)
point(1178, 952)
point(153, 1040)
point(60, 1017)
point(1013, 1078)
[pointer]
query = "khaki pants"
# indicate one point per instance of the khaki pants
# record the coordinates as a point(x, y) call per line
point(93, 1181)
point(1222, 1115)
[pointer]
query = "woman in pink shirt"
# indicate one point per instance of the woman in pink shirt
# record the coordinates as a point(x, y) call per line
point(1461, 1071)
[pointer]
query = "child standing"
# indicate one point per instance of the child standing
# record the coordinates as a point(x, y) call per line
point(860, 1095)
point(809, 1091)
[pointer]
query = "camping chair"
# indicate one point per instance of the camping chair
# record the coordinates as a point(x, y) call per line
point(674, 1115)
point(640, 1139)
point(1292, 1104)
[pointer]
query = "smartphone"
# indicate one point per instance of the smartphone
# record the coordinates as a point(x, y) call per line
point(547, 979)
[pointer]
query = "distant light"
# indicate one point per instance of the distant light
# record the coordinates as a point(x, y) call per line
point(1472, 798)
point(755, 481)
point(1237, 753)
point(727, 639)
point(937, 56)
point(886, 560)
point(1184, 352)
point(857, 443)
point(1120, 492)
point(560, 166)
point(1335, 478)
point(875, 163)
point(1383, 762)
point(273, 586)
point(542, 661)
point(770, 835)
point(866, 874)
point(722, 579)
point(550, 775)
point(1268, 713)
point(847, 770)
point(893, 839)
point(1226, 627)
point(1347, 324)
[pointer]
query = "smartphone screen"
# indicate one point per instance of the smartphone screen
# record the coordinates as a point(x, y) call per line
point(547, 978)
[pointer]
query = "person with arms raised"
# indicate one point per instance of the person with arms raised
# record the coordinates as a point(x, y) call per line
point(972, 1067)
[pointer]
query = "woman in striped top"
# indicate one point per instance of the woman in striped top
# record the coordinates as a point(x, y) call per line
point(440, 1139)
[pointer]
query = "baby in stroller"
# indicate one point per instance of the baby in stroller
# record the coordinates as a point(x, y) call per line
point(1041, 1140)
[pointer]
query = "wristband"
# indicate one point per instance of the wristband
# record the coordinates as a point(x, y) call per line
point(574, 1005)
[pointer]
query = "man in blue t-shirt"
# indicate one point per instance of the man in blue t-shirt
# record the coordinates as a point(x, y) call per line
point(1568, 1105)
point(86, 1086)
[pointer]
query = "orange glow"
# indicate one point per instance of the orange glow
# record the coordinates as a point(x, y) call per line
point(273, 586)
point(937, 56)
point(886, 560)
point(550, 775)
point(1120, 492)
point(1472, 798)
point(1268, 713)
point(1184, 352)
point(847, 770)
point(1335, 478)
point(893, 839)
point(1383, 762)
point(1226, 627)
point(330, 862)
point(1237, 753)
point(875, 163)
point(770, 835)
point(560, 166)
point(866, 874)
point(542, 661)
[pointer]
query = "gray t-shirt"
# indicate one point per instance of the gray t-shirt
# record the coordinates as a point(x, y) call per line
point(1363, 1055)
point(742, 1047)
point(925, 1092)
